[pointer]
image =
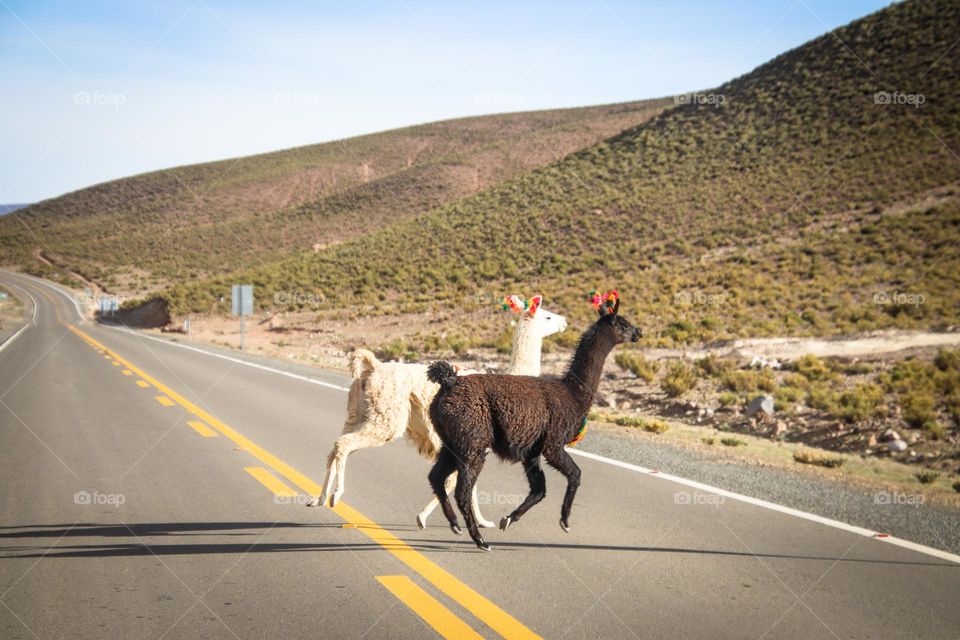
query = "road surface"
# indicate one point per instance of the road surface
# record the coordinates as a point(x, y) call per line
point(154, 491)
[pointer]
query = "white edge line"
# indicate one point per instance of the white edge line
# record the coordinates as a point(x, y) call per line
point(836, 524)
point(26, 325)
point(49, 285)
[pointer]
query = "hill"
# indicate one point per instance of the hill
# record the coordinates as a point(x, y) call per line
point(816, 194)
point(136, 234)
point(10, 208)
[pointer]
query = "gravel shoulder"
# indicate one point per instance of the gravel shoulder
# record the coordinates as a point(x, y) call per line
point(903, 514)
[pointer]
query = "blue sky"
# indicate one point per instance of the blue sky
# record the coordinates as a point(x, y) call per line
point(100, 90)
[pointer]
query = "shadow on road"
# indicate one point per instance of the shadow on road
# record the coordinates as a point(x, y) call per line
point(139, 547)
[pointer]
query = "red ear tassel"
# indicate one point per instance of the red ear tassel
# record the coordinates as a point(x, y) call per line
point(608, 300)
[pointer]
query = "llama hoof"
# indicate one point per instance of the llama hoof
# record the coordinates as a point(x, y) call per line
point(315, 502)
point(483, 546)
point(421, 523)
point(564, 526)
point(456, 529)
point(505, 522)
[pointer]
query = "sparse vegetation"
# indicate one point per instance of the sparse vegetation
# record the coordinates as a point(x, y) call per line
point(644, 369)
point(732, 442)
point(679, 379)
point(927, 477)
point(806, 456)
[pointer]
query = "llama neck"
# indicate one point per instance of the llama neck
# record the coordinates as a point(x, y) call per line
point(525, 354)
point(583, 374)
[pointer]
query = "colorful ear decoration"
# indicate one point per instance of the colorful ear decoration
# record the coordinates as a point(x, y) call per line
point(515, 303)
point(604, 303)
point(533, 304)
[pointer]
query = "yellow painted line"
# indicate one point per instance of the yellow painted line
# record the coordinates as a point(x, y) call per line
point(108, 356)
point(165, 401)
point(202, 429)
point(270, 481)
point(143, 383)
point(115, 363)
point(127, 372)
point(428, 608)
point(489, 613)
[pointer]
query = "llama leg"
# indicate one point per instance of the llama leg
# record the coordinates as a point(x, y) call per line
point(465, 483)
point(445, 465)
point(482, 522)
point(448, 486)
point(562, 462)
point(538, 490)
point(328, 480)
point(345, 445)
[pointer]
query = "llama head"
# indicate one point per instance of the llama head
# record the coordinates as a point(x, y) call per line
point(533, 317)
point(608, 306)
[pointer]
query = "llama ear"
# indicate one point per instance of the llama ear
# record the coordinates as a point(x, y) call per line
point(513, 302)
point(533, 305)
point(616, 307)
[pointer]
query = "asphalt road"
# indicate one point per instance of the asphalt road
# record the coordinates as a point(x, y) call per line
point(121, 519)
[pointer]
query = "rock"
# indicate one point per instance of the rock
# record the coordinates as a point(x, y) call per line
point(779, 429)
point(897, 445)
point(889, 435)
point(760, 404)
point(872, 440)
point(913, 438)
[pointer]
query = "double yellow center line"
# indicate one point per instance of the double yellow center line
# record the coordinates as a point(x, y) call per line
point(421, 603)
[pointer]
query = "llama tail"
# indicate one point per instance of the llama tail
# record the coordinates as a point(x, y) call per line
point(443, 374)
point(362, 363)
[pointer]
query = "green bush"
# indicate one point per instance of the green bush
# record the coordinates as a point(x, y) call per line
point(814, 369)
point(644, 369)
point(678, 379)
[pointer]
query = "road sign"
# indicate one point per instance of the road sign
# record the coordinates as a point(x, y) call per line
point(108, 305)
point(242, 302)
point(242, 305)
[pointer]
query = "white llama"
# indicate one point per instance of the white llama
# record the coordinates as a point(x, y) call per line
point(391, 399)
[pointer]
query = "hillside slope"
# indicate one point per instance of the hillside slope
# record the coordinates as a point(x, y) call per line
point(211, 218)
point(789, 200)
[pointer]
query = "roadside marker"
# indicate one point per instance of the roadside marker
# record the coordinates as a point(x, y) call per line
point(428, 608)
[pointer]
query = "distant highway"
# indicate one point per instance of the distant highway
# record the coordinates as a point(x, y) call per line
point(155, 491)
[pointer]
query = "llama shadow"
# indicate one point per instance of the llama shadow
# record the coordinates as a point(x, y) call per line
point(135, 546)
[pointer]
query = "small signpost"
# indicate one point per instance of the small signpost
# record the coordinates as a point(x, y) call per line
point(242, 305)
point(108, 306)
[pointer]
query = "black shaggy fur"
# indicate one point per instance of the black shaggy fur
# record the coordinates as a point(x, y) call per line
point(520, 418)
